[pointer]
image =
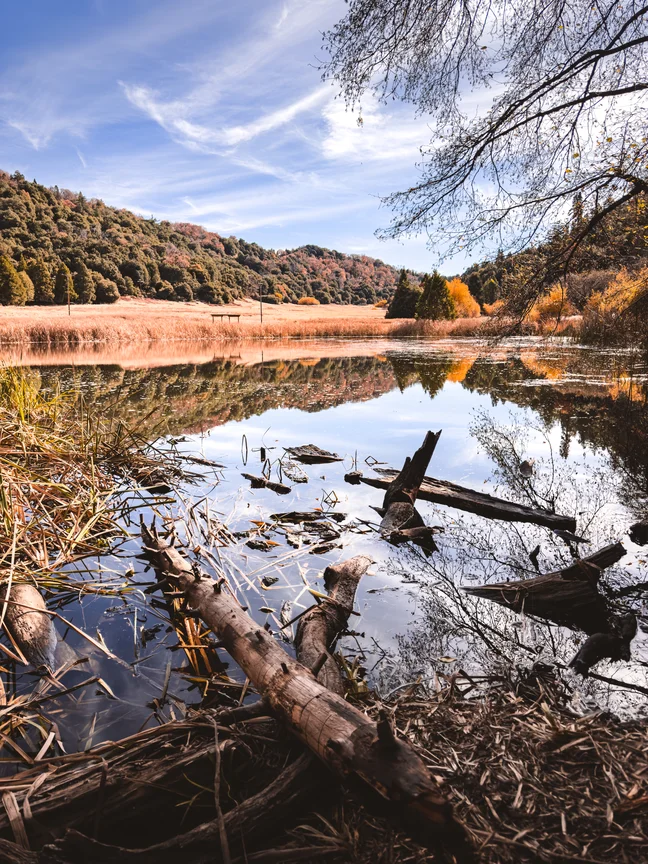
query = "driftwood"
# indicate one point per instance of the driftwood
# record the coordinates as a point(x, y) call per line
point(32, 629)
point(311, 454)
point(295, 517)
point(264, 483)
point(343, 738)
point(320, 627)
point(614, 645)
point(398, 509)
point(569, 597)
point(452, 495)
point(422, 536)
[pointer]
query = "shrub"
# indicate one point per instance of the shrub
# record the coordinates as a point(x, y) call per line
point(493, 308)
point(617, 314)
point(381, 304)
point(465, 304)
point(106, 290)
point(552, 306)
point(308, 301)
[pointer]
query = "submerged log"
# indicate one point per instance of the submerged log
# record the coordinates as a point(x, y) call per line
point(569, 597)
point(32, 629)
point(311, 454)
point(614, 645)
point(420, 536)
point(344, 738)
point(319, 628)
point(264, 483)
point(452, 495)
point(400, 497)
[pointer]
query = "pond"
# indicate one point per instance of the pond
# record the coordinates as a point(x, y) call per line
point(577, 416)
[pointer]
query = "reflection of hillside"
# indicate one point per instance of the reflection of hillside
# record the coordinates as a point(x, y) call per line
point(191, 397)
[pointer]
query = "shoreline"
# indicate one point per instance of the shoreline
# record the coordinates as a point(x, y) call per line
point(156, 321)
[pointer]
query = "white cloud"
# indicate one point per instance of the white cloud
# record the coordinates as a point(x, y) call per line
point(186, 131)
point(379, 135)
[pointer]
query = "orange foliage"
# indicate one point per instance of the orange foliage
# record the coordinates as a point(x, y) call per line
point(460, 369)
point(552, 306)
point(308, 301)
point(465, 304)
point(493, 308)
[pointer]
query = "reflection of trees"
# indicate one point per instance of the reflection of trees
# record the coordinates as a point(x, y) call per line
point(191, 396)
point(431, 372)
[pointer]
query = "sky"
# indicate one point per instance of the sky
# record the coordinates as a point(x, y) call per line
point(206, 111)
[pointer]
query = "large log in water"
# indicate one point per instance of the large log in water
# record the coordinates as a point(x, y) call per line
point(398, 508)
point(452, 495)
point(344, 738)
point(320, 628)
point(569, 597)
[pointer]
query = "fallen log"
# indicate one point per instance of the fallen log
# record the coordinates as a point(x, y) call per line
point(343, 738)
point(452, 495)
point(420, 536)
point(398, 508)
point(311, 454)
point(320, 627)
point(32, 629)
point(569, 597)
point(614, 645)
point(264, 483)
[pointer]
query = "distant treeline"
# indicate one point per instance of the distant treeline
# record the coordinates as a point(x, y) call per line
point(56, 244)
point(619, 242)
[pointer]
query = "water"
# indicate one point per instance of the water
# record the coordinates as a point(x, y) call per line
point(579, 414)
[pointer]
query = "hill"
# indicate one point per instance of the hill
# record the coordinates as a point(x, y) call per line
point(45, 232)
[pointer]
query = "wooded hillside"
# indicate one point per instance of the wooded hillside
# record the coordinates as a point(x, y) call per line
point(55, 239)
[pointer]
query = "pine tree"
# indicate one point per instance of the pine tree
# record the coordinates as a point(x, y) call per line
point(40, 275)
point(491, 291)
point(29, 285)
point(12, 288)
point(84, 284)
point(475, 287)
point(64, 286)
point(435, 302)
point(403, 303)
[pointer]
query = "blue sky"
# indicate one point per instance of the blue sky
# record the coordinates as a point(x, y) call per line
point(205, 111)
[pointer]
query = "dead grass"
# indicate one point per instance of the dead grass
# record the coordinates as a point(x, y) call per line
point(131, 321)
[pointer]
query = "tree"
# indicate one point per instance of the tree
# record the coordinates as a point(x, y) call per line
point(435, 302)
point(475, 287)
point(28, 285)
point(568, 117)
point(84, 284)
point(106, 290)
point(40, 275)
point(406, 296)
point(12, 288)
point(491, 291)
point(64, 286)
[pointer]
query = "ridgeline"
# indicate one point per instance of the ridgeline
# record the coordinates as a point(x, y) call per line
point(54, 242)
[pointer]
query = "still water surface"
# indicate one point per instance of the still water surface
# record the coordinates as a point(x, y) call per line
point(578, 415)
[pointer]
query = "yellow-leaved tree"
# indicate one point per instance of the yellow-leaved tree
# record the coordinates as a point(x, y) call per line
point(465, 303)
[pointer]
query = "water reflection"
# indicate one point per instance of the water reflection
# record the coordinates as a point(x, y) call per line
point(581, 415)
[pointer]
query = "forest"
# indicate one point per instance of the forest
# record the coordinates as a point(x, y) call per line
point(55, 243)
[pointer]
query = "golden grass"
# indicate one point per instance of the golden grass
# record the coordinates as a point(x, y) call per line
point(153, 321)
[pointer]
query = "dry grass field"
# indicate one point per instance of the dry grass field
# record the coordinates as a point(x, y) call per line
point(142, 320)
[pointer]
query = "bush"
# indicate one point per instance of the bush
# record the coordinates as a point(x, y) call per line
point(465, 304)
point(308, 301)
point(381, 304)
point(617, 314)
point(106, 290)
point(493, 308)
point(552, 306)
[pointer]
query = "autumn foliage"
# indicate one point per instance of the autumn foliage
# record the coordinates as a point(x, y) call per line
point(465, 304)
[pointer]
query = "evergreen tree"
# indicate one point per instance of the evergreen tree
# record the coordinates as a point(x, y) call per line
point(475, 287)
point(436, 301)
point(403, 303)
point(40, 275)
point(84, 284)
point(64, 286)
point(29, 285)
point(12, 288)
point(491, 291)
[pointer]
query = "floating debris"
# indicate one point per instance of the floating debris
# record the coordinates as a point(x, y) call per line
point(311, 454)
